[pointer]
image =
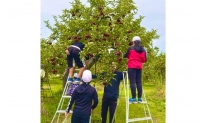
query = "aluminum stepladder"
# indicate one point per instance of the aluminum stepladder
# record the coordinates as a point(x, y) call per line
point(147, 113)
point(60, 109)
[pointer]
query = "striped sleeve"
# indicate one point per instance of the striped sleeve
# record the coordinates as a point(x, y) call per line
point(71, 101)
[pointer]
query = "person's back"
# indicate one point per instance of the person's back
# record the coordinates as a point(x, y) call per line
point(73, 54)
point(110, 95)
point(136, 56)
point(112, 91)
point(84, 94)
point(77, 45)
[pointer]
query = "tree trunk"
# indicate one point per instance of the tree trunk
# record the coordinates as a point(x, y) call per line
point(91, 62)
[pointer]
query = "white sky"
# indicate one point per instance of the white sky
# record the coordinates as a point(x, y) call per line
point(153, 10)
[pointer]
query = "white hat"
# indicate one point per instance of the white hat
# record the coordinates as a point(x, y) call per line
point(136, 38)
point(87, 76)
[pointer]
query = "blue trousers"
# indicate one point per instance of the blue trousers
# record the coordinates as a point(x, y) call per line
point(108, 104)
point(80, 118)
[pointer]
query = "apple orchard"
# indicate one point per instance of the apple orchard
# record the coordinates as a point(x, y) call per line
point(102, 25)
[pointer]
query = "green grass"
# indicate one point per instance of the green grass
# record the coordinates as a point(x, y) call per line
point(155, 96)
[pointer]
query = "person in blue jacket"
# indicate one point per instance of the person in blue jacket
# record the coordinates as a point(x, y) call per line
point(83, 96)
point(110, 95)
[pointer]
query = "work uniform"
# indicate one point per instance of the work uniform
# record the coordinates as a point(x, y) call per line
point(110, 96)
point(82, 96)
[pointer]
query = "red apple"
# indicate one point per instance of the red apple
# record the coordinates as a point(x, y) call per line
point(101, 13)
point(52, 59)
point(54, 71)
point(75, 37)
point(104, 83)
point(91, 55)
point(106, 34)
point(130, 43)
point(119, 59)
point(50, 43)
point(118, 20)
point(87, 36)
point(118, 53)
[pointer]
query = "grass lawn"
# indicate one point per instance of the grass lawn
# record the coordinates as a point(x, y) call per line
point(155, 96)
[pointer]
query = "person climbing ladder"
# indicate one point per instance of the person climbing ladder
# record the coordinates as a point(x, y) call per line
point(73, 54)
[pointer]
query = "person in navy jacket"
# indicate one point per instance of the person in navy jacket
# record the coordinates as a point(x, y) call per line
point(83, 96)
point(136, 55)
point(110, 95)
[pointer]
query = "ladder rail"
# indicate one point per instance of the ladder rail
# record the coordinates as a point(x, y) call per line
point(148, 108)
point(61, 102)
point(144, 103)
point(127, 98)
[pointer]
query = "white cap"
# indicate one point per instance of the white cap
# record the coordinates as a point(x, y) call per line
point(136, 38)
point(87, 76)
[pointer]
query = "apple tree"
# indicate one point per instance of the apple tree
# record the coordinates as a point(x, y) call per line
point(102, 25)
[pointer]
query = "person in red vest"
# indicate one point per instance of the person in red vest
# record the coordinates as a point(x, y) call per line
point(136, 55)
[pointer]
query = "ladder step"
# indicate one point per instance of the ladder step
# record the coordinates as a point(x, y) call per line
point(66, 96)
point(139, 119)
point(63, 111)
point(143, 102)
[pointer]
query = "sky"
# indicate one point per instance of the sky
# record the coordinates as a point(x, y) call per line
point(153, 10)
